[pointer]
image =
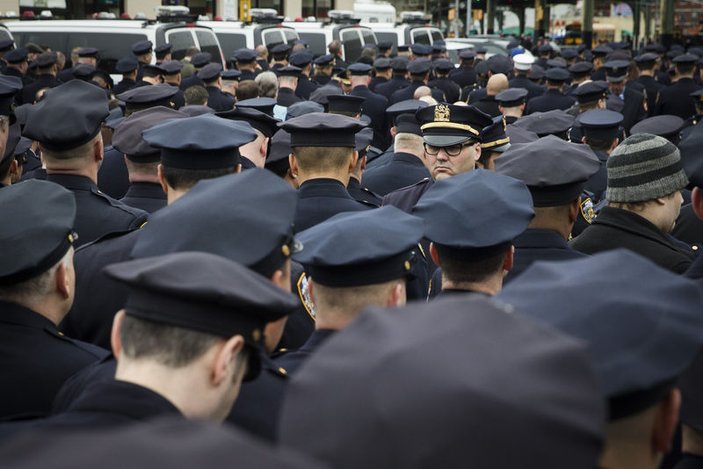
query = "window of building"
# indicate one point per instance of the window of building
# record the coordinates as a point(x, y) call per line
point(317, 8)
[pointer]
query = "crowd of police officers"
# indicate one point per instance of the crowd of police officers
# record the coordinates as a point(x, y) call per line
point(401, 262)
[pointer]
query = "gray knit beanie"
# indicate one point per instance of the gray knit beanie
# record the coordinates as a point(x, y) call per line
point(644, 167)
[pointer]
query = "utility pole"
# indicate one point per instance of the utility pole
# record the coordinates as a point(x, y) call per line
point(587, 28)
point(667, 22)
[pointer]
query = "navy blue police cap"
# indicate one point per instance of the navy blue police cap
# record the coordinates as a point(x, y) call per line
point(520, 135)
point(279, 150)
point(256, 199)
point(557, 62)
point(288, 71)
point(16, 56)
point(127, 137)
point(403, 47)
point(368, 388)
point(163, 49)
point(201, 59)
point(152, 70)
point(282, 48)
point(557, 75)
point(382, 63)
point(69, 116)
point(244, 55)
point(6, 44)
point(323, 60)
point(494, 138)
point(262, 104)
point(204, 292)
point(88, 52)
point(384, 45)
point(446, 124)
point(419, 66)
point(601, 50)
point(615, 70)
point(303, 107)
point(407, 124)
point(467, 54)
point(142, 47)
point(643, 328)
point(300, 59)
point(171, 67)
point(319, 129)
point(591, 91)
point(322, 94)
point(473, 212)
point(438, 47)
point(421, 49)
point(500, 64)
point(443, 65)
point(201, 142)
point(231, 74)
point(512, 97)
point(360, 248)
point(9, 86)
point(545, 48)
point(663, 125)
point(555, 122)
point(83, 72)
point(569, 53)
point(362, 141)
point(646, 60)
point(344, 103)
point(258, 120)
point(554, 170)
point(399, 64)
point(46, 59)
point(686, 59)
point(602, 124)
point(581, 68)
point(143, 97)
point(536, 73)
point(210, 72)
point(43, 215)
point(127, 64)
point(359, 69)
point(404, 107)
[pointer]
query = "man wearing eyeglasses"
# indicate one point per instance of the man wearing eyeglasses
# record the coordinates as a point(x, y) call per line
point(452, 140)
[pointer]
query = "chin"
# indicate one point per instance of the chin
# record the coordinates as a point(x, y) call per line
point(441, 175)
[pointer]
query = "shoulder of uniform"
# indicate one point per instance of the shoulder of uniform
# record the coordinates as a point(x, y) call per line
point(137, 213)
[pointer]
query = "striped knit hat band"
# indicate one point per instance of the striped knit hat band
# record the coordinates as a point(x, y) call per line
point(644, 167)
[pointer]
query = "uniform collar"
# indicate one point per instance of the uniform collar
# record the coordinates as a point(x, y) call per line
point(70, 181)
point(539, 238)
point(148, 190)
point(12, 313)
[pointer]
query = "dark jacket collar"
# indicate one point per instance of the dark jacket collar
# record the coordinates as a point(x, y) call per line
point(12, 313)
point(147, 190)
point(632, 223)
point(538, 238)
point(72, 182)
point(323, 187)
point(317, 338)
point(124, 399)
point(408, 158)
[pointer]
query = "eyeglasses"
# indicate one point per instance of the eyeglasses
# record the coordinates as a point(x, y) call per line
point(453, 150)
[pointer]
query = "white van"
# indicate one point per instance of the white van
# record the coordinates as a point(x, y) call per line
point(343, 27)
point(234, 35)
point(114, 38)
point(413, 29)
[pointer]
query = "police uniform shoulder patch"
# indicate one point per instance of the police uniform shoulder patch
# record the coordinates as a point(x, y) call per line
point(587, 211)
point(303, 287)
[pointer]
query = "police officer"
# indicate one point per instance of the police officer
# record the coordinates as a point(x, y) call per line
point(522, 66)
point(253, 154)
point(279, 55)
point(379, 158)
point(360, 192)
point(675, 99)
point(246, 63)
point(324, 66)
point(288, 78)
point(73, 152)
point(381, 72)
point(142, 51)
point(419, 76)
point(600, 128)
point(406, 165)
point(399, 67)
point(511, 104)
point(172, 76)
point(303, 60)
point(451, 137)
point(211, 75)
point(638, 363)
point(45, 77)
point(494, 142)
point(556, 172)
point(37, 278)
point(163, 52)
point(213, 311)
point(646, 63)
point(626, 100)
point(127, 66)
point(342, 284)
point(665, 125)
point(580, 73)
point(374, 104)
point(452, 91)
point(555, 122)
point(553, 98)
point(142, 160)
point(210, 151)
point(471, 220)
point(198, 61)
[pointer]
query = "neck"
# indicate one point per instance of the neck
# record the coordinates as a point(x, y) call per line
point(50, 308)
point(341, 175)
point(174, 194)
point(91, 171)
point(490, 286)
point(563, 228)
point(628, 455)
point(151, 178)
point(646, 73)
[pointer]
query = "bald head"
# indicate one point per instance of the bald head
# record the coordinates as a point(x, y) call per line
point(496, 84)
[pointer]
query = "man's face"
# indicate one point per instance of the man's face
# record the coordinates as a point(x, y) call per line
point(617, 88)
point(673, 208)
point(449, 161)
